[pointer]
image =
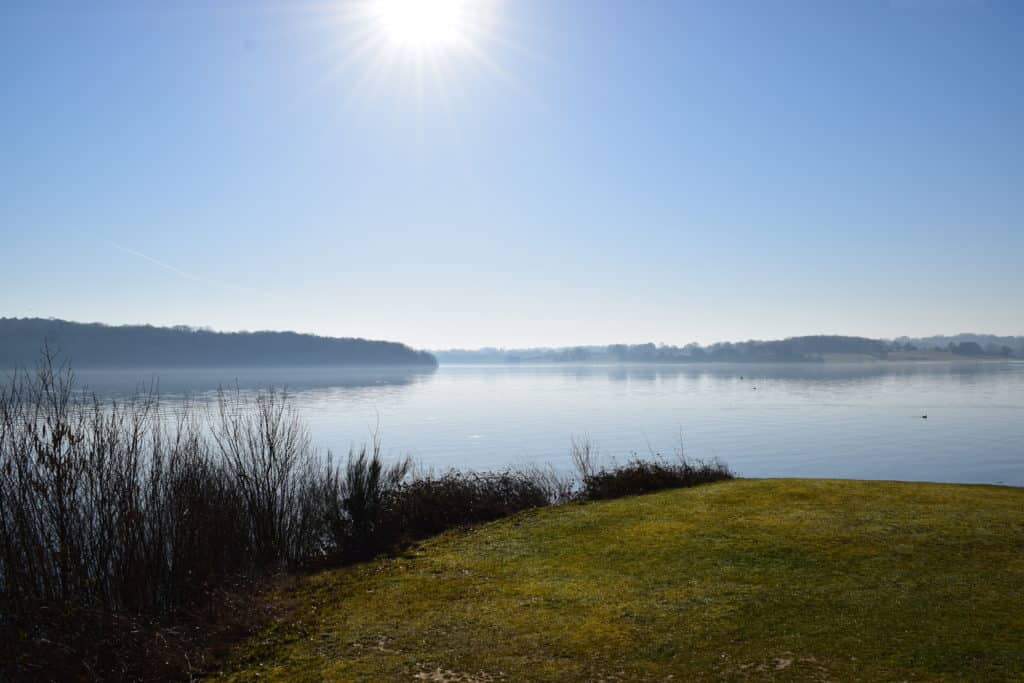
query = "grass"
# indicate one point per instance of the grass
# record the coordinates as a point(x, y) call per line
point(741, 580)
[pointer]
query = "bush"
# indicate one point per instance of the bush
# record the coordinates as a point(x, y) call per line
point(379, 508)
point(265, 451)
point(113, 516)
point(426, 506)
point(640, 476)
point(369, 491)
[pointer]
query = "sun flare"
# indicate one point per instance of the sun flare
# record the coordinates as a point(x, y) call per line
point(422, 24)
point(427, 49)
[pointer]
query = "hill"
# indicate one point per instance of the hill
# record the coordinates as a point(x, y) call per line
point(814, 348)
point(97, 345)
point(746, 580)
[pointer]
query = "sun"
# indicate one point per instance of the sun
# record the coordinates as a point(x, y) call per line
point(422, 25)
point(430, 50)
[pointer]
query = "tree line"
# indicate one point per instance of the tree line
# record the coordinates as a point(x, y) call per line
point(98, 345)
point(794, 349)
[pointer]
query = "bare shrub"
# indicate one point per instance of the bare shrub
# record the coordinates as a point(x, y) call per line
point(584, 456)
point(639, 476)
point(429, 505)
point(369, 491)
point(109, 510)
point(267, 453)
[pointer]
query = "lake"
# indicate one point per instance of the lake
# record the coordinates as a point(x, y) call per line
point(776, 420)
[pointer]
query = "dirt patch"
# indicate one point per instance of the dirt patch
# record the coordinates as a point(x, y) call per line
point(440, 675)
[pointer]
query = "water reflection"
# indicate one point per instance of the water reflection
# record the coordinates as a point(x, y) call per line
point(860, 420)
point(192, 381)
point(652, 372)
point(178, 382)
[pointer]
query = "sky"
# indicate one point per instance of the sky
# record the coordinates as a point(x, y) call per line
point(569, 172)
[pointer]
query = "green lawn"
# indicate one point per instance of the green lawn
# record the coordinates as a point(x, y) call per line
point(744, 580)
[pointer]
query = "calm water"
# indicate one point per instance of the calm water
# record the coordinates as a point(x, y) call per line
point(856, 420)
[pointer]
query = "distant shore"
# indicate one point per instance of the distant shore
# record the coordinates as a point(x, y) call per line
point(807, 349)
point(93, 345)
point(824, 359)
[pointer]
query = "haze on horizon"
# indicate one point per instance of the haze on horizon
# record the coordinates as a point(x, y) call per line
point(552, 174)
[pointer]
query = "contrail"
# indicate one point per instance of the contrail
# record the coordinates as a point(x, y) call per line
point(190, 276)
point(165, 266)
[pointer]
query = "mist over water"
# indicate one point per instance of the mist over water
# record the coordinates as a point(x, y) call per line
point(801, 420)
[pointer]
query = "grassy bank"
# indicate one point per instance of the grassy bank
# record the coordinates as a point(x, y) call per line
point(749, 579)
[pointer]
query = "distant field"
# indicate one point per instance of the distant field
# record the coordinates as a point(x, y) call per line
point(746, 580)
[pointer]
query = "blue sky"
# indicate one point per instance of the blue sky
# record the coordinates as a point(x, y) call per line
point(589, 172)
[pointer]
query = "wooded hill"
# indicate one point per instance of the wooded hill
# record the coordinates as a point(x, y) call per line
point(97, 345)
